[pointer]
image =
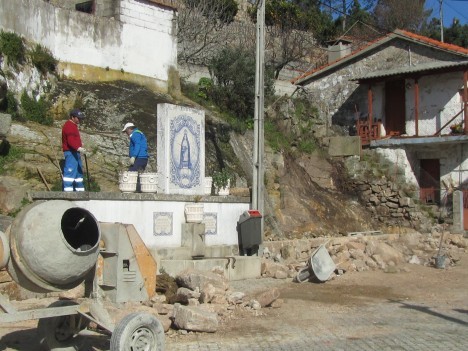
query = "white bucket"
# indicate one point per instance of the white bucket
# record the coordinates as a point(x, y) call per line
point(208, 184)
point(148, 182)
point(128, 181)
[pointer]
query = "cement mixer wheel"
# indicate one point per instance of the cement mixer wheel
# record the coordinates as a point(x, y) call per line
point(138, 332)
point(59, 333)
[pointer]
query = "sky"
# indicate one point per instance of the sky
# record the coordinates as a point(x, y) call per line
point(451, 9)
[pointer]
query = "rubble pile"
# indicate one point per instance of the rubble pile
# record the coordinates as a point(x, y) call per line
point(203, 299)
point(283, 259)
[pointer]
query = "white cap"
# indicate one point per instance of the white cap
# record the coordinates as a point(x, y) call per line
point(128, 125)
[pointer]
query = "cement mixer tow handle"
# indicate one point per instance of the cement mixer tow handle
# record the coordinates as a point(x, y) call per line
point(18, 316)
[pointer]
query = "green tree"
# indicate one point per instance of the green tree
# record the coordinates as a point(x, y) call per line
point(233, 74)
point(431, 29)
point(457, 34)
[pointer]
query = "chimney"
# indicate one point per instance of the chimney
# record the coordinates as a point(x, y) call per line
point(338, 49)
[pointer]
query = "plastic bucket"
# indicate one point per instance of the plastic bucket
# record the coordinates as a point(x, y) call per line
point(128, 181)
point(440, 262)
point(149, 182)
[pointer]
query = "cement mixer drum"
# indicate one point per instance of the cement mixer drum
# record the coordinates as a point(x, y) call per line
point(54, 244)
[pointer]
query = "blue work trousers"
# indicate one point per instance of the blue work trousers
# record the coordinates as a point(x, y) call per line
point(139, 165)
point(72, 172)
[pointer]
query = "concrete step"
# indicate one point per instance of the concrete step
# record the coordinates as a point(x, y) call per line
point(235, 267)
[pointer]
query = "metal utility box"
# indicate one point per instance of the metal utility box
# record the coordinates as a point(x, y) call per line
point(249, 229)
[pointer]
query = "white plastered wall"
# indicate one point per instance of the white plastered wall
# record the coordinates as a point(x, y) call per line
point(439, 102)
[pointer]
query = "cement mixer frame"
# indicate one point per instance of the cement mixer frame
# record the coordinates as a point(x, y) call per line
point(123, 270)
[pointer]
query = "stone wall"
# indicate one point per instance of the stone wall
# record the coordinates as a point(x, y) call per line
point(387, 203)
point(382, 186)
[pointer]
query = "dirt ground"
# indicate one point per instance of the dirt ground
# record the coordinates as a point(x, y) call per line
point(416, 283)
point(444, 288)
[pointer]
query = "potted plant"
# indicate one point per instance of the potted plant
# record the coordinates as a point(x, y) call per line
point(456, 128)
point(222, 181)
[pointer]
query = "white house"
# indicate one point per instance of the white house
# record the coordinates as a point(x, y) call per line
point(406, 96)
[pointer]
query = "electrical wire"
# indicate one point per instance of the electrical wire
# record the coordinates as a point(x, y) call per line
point(455, 10)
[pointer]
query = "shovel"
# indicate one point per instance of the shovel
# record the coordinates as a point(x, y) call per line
point(87, 171)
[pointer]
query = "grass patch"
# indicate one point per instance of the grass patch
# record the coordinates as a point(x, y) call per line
point(277, 140)
point(14, 154)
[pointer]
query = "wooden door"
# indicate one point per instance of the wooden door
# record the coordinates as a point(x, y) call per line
point(429, 180)
point(395, 120)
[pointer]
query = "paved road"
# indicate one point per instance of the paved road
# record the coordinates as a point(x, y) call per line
point(385, 326)
point(311, 320)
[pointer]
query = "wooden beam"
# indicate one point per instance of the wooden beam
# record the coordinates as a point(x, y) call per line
point(43, 179)
point(369, 106)
point(465, 100)
point(416, 106)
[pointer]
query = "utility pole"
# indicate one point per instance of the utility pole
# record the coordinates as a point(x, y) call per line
point(258, 169)
point(441, 15)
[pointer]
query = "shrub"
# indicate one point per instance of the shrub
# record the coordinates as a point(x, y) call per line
point(12, 46)
point(222, 178)
point(205, 86)
point(36, 111)
point(42, 59)
point(10, 105)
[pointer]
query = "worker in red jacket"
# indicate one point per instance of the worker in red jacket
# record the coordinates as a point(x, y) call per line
point(72, 150)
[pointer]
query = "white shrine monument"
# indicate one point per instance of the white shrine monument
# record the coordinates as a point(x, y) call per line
point(160, 217)
point(181, 150)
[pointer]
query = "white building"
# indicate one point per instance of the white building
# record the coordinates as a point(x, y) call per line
point(101, 40)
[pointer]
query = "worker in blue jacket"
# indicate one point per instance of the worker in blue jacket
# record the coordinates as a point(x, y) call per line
point(138, 148)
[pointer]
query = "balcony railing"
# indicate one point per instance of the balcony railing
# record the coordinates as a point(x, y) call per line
point(368, 132)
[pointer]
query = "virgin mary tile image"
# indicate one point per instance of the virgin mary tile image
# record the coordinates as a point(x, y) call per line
point(185, 165)
point(185, 152)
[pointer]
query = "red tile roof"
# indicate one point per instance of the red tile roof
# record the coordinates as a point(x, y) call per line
point(434, 42)
point(397, 33)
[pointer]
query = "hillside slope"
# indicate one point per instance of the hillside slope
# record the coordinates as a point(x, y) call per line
point(302, 199)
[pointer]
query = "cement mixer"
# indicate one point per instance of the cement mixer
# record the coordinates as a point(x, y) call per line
point(54, 246)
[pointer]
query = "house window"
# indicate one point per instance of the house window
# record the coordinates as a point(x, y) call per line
point(87, 6)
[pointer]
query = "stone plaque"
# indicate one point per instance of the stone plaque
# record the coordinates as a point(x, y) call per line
point(162, 223)
point(211, 223)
